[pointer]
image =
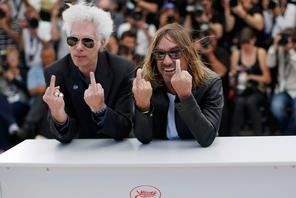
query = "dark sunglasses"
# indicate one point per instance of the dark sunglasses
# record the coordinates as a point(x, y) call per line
point(173, 54)
point(87, 42)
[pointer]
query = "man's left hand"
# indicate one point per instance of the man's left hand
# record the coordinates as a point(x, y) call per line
point(181, 81)
point(94, 95)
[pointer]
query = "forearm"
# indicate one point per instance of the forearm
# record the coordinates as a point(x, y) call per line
point(116, 125)
point(143, 126)
point(37, 90)
point(12, 34)
point(229, 20)
point(199, 125)
point(254, 21)
point(63, 133)
point(151, 7)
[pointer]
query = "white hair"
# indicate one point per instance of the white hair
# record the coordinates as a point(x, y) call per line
point(83, 11)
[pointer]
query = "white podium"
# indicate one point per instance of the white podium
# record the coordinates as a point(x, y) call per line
point(232, 167)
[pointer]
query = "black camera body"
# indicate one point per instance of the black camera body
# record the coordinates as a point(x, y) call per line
point(284, 39)
point(137, 15)
point(170, 18)
point(233, 3)
point(273, 4)
point(199, 10)
point(33, 23)
point(2, 14)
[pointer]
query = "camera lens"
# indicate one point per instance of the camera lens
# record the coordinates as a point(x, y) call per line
point(33, 23)
point(2, 14)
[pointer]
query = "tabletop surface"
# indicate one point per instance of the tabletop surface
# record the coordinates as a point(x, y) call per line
point(225, 151)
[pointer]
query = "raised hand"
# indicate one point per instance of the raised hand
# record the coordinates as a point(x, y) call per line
point(55, 101)
point(142, 91)
point(94, 95)
point(181, 81)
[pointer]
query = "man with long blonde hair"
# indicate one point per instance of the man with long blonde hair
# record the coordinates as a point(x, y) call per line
point(176, 96)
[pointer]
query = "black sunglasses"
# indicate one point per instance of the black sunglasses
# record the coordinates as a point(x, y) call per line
point(87, 42)
point(175, 53)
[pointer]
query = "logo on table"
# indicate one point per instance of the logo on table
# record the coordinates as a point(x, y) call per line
point(145, 191)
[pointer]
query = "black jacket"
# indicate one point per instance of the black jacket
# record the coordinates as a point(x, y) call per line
point(115, 75)
point(197, 117)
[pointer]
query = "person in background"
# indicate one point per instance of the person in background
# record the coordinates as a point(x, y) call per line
point(89, 90)
point(9, 28)
point(127, 47)
point(283, 104)
point(35, 122)
point(14, 99)
point(176, 96)
point(136, 23)
point(250, 73)
point(217, 59)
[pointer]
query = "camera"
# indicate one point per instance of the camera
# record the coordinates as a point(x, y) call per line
point(2, 14)
point(284, 39)
point(137, 15)
point(233, 3)
point(33, 22)
point(199, 10)
point(273, 4)
point(170, 18)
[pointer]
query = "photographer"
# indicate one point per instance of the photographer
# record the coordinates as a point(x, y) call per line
point(127, 47)
point(284, 13)
point(250, 73)
point(217, 59)
point(9, 29)
point(283, 55)
point(13, 98)
point(136, 23)
point(245, 14)
point(149, 7)
point(32, 42)
point(202, 12)
point(169, 14)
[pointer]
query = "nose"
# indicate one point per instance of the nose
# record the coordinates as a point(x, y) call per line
point(79, 45)
point(167, 60)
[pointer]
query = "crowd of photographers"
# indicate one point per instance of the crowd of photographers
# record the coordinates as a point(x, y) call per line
point(251, 44)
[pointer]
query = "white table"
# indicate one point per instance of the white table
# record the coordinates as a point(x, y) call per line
point(230, 168)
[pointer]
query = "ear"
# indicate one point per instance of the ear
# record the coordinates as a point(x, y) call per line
point(102, 44)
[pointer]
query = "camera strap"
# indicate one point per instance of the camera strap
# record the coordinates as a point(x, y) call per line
point(17, 4)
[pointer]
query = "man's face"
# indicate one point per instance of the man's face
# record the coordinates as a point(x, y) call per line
point(130, 42)
point(48, 57)
point(84, 55)
point(167, 66)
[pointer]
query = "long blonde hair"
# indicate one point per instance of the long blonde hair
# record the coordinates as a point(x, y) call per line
point(179, 36)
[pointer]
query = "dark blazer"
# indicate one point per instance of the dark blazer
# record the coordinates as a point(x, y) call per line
point(115, 75)
point(197, 116)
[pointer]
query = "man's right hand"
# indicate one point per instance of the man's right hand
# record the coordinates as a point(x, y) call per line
point(55, 101)
point(142, 91)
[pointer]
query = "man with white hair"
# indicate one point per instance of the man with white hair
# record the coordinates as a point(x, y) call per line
point(89, 90)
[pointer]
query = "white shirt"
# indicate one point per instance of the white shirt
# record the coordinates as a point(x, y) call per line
point(288, 20)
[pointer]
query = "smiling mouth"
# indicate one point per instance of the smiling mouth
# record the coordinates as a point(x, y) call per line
point(169, 69)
